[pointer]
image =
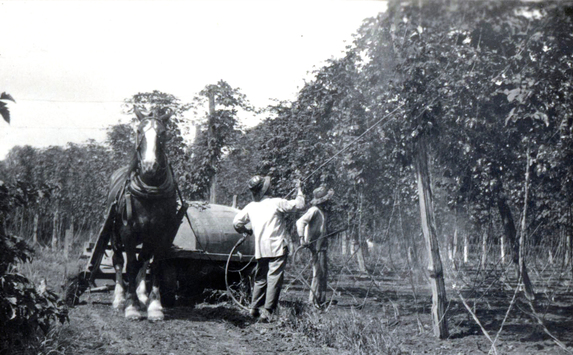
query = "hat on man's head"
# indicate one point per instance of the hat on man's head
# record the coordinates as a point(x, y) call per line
point(321, 195)
point(259, 185)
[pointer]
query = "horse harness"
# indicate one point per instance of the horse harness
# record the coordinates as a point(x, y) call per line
point(134, 186)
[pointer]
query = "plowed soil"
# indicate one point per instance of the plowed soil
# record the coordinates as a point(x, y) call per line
point(204, 329)
point(223, 328)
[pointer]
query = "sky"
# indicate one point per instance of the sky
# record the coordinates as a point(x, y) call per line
point(70, 64)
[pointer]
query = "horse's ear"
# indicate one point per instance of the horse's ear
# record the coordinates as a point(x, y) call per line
point(138, 113)
point(168, 113)
point(134, 125)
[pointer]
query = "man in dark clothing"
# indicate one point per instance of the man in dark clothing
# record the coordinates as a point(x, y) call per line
point(312, 229)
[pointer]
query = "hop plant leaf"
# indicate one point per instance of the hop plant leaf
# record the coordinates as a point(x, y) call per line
point(4, 107)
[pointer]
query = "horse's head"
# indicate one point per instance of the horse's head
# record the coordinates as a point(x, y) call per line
point(151, 138)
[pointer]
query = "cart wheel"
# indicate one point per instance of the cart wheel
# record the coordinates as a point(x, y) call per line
point(191, 293)
point(75, 287)
point(301, 268)
point(240, 285)
point(168, 287)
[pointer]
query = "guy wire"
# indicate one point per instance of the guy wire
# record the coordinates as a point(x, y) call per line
point(347, 146)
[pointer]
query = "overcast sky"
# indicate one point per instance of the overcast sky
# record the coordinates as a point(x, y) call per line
point(70, 64)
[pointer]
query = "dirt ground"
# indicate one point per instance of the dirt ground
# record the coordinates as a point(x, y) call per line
point(204, 329)
point(222, 328)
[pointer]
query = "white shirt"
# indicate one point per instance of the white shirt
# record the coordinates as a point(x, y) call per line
point(268, 224)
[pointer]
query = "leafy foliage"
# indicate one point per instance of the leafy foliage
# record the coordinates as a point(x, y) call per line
point(24, 309)
point(215, 135)
point(482, 81)
point(4, 111)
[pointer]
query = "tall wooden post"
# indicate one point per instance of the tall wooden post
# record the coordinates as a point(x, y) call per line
point(72, 227)
point(35, 231)
point(567, 247)
point(511, 235)
point(211, 135)
point(466, 248)
point(455, 241)
point(22, 214)
point(55, 231)
point(529, 293)
point(359, 238)
point(502, 248)
point(570, 238)
point(68, 242)
point(484, 249)
point(455, 244)
point(427, 219)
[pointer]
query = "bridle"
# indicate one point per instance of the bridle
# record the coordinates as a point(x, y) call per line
point(150, 123)
point(164, 174)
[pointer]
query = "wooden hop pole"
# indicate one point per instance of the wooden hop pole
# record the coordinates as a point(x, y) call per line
point(211, 133)
point(529, 293)
point(427, 219)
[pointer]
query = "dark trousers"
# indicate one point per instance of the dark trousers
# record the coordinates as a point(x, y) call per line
point(319, 278)
point(269, 277)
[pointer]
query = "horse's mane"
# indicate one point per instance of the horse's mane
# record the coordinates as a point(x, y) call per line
point(132, 166)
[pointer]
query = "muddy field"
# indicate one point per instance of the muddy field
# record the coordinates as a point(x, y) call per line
point(381, 312)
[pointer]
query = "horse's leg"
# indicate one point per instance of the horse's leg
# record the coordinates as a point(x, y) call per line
point(141, 276)
point(119, 292)
point(155, 309)
point(141, 286)
point(133, 266)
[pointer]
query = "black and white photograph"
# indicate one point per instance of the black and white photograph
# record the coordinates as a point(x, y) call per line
point(286, 177)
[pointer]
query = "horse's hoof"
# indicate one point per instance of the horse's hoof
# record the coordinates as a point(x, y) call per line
point(118, 297)
point(118, 305)
point(132, 313)
point(155, 311)
point(155, 316)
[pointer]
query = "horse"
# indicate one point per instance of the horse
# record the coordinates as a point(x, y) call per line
point(144, 195)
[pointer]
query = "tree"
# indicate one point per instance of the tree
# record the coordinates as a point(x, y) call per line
point(215, 135)
point(23, 310)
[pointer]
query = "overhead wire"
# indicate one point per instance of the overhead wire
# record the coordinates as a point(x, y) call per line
point(73, 101)
point(347, 146)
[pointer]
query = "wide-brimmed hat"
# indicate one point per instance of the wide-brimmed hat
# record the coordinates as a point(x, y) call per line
point(320, 195)
point(259, 185)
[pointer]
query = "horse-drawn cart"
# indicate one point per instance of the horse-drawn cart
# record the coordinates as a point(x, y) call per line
point(199, 258)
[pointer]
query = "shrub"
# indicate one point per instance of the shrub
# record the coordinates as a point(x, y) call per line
point(25, 309)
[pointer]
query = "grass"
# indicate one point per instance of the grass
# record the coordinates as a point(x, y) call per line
point(55, 342)
point(357, 331)
point(50, 267)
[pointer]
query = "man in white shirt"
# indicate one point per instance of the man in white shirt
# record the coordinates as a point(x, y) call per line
point(266, 215)
point(311, 228)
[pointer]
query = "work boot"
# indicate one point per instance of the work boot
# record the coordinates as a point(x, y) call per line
point(266, 316)
point(254, 312)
